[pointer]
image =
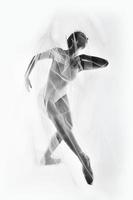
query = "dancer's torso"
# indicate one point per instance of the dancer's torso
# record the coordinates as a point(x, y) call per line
point(61, 72)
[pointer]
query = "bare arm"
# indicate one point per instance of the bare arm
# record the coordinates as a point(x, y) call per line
point(40, 56)
point(86, 62)
point(46, 54)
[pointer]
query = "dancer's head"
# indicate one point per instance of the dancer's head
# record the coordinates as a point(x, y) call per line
point(76, 41)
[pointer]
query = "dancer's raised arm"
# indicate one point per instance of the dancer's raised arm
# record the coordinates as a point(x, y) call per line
point(86, 62)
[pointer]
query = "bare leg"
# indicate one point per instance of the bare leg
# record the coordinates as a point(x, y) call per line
point(67, 135)
point(65, 132)
point(60, 113)
point(56, 139)
point(54, 142)
point(70, 140)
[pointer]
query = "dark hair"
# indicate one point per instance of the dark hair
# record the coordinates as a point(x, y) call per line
point(77, 39)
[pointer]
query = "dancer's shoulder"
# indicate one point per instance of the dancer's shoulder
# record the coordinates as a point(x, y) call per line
point(58, 54)
point(56, 50)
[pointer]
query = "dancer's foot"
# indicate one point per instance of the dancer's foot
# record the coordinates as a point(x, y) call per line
point(88, 174)
point(50, 161)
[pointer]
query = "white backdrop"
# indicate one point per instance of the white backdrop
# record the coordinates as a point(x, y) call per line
point(100, 101)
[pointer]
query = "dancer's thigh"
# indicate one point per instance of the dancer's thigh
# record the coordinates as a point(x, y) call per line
point(60, 109)
point(63, 108)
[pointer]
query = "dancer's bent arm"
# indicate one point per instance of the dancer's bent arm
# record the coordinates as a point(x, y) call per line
point(40, 56)
point(91, 62)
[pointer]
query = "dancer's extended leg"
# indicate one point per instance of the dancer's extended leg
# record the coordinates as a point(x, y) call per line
point(70, 140)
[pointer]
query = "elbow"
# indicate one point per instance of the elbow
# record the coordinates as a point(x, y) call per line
point(105, 63)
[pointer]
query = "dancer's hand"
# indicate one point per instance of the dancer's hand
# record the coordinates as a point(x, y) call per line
point(28, 84)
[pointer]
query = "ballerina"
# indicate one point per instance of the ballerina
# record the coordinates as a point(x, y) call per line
point(65, 66)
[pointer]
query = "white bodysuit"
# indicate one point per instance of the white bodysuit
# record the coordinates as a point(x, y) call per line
point(61, 72)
